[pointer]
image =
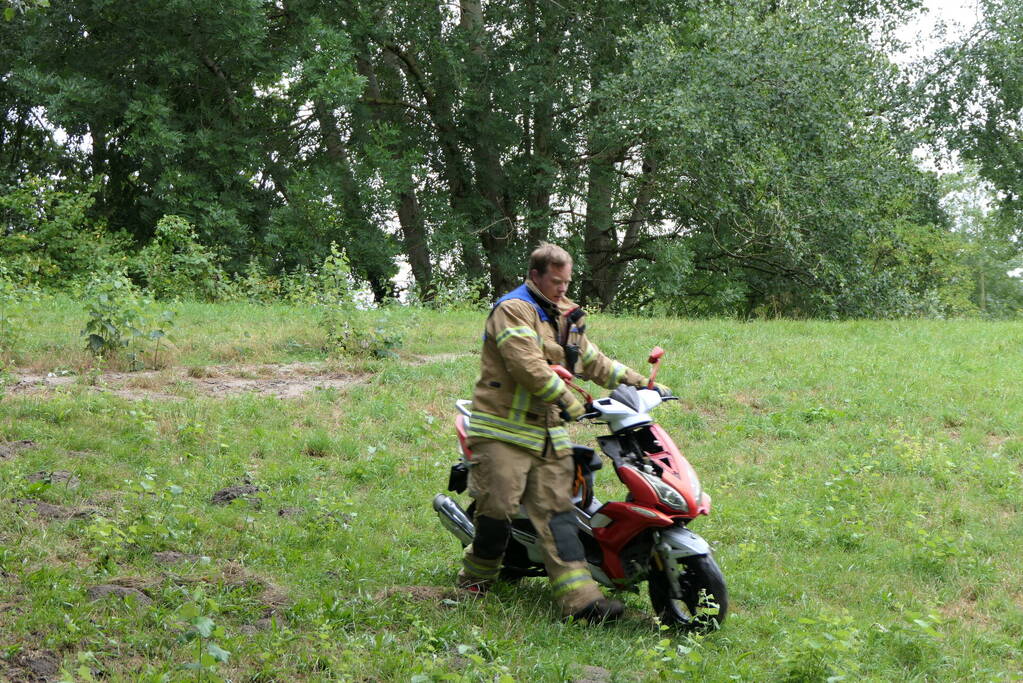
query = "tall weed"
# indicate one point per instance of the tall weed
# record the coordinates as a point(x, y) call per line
point(120, 319)
point(348, 331)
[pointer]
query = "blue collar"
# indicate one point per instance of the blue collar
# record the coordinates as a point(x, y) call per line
point(522, 293)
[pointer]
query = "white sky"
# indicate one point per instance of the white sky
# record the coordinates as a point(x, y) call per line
point(939, 22)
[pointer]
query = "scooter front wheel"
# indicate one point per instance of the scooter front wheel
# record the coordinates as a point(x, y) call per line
point(704, 602)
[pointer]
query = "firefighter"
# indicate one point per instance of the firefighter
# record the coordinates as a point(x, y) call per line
point(521, 450)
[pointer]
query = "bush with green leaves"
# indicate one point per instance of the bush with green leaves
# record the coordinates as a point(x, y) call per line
point(354, 333)
point(457, 294)
point(120, 319)
point(174, 264)
point(50, 238)
point(332, 283)
point(253, 284)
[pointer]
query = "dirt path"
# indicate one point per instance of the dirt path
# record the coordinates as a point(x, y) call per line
point(285, 381)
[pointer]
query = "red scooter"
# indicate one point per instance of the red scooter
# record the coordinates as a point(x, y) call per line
point(643, 538)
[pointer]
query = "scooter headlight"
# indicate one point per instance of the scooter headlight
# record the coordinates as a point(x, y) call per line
point(666, 494)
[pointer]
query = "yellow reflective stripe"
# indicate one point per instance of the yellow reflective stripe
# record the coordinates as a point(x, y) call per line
point(571, 575)
point(571, 581)
point(589, 354)
point(552, 389)
point(510, 332)
point(617, 374)
point(559, 438)
point(512, 425)
point(509, 437)
point(520, 404)
point(479, 570)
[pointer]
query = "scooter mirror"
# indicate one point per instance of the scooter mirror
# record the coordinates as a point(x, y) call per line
point(562, 373)
point(655, 355)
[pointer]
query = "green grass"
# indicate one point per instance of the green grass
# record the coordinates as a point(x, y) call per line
point(865, 477)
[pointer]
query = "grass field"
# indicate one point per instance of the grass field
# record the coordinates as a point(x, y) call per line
point(866, 479)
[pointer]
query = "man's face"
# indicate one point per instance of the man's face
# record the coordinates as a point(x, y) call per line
point(554, 283)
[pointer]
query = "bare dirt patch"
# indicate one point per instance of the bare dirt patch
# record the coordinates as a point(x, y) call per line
point(594, 674)
point(245, 491)
point(711, 413)
point(51, 512)
point(995, 440)
point(280, 380)
point(284, 381)
point(967, 608)
point(754, 403)
point(438, 358)
point(264, 624)
point(124, 592)
point(422, 593)
point(9, 449)
point(275, 600)
point(32, 666)
point(61, 478)
point(174, 557)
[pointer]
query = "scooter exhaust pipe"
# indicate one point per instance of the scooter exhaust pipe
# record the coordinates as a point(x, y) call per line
point(454, 518)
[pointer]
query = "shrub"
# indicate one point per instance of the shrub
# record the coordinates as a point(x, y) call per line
point(254, 284)
point(49, 238)
point(457, 294)
point(175, 264)
point(350, 333)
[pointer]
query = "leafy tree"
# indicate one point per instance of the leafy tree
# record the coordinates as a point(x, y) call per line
point(974, 97)
point(723, 157)
point(780, 179)
point(48, 237)
point(992, 255)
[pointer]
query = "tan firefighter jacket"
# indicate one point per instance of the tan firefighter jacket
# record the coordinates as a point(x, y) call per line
point(516, 397)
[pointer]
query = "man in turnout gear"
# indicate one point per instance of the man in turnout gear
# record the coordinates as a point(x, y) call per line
point(521, 450)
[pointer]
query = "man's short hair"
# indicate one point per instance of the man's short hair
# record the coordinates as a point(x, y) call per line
point(547, 255)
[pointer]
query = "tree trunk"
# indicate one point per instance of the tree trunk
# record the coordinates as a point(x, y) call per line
point(414, 239)
point(633, 228)
point(599, 238)
point(539, 134)
point(440, 108)
point(416, 246)
point(362, 235)
point(499, 235)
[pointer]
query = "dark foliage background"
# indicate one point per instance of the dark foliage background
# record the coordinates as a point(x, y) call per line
point(702, 157)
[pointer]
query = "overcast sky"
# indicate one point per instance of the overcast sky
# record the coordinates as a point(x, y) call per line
point(957, 16)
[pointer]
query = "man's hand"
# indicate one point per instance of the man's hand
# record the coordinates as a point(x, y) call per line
point(662, 390)
point(571, 407)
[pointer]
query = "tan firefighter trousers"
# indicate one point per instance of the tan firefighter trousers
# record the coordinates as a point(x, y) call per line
point(504, 476)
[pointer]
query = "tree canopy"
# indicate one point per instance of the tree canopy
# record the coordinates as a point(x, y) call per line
point(710, 157)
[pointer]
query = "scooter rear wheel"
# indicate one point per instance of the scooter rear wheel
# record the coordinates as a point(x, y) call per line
point(704, 602)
